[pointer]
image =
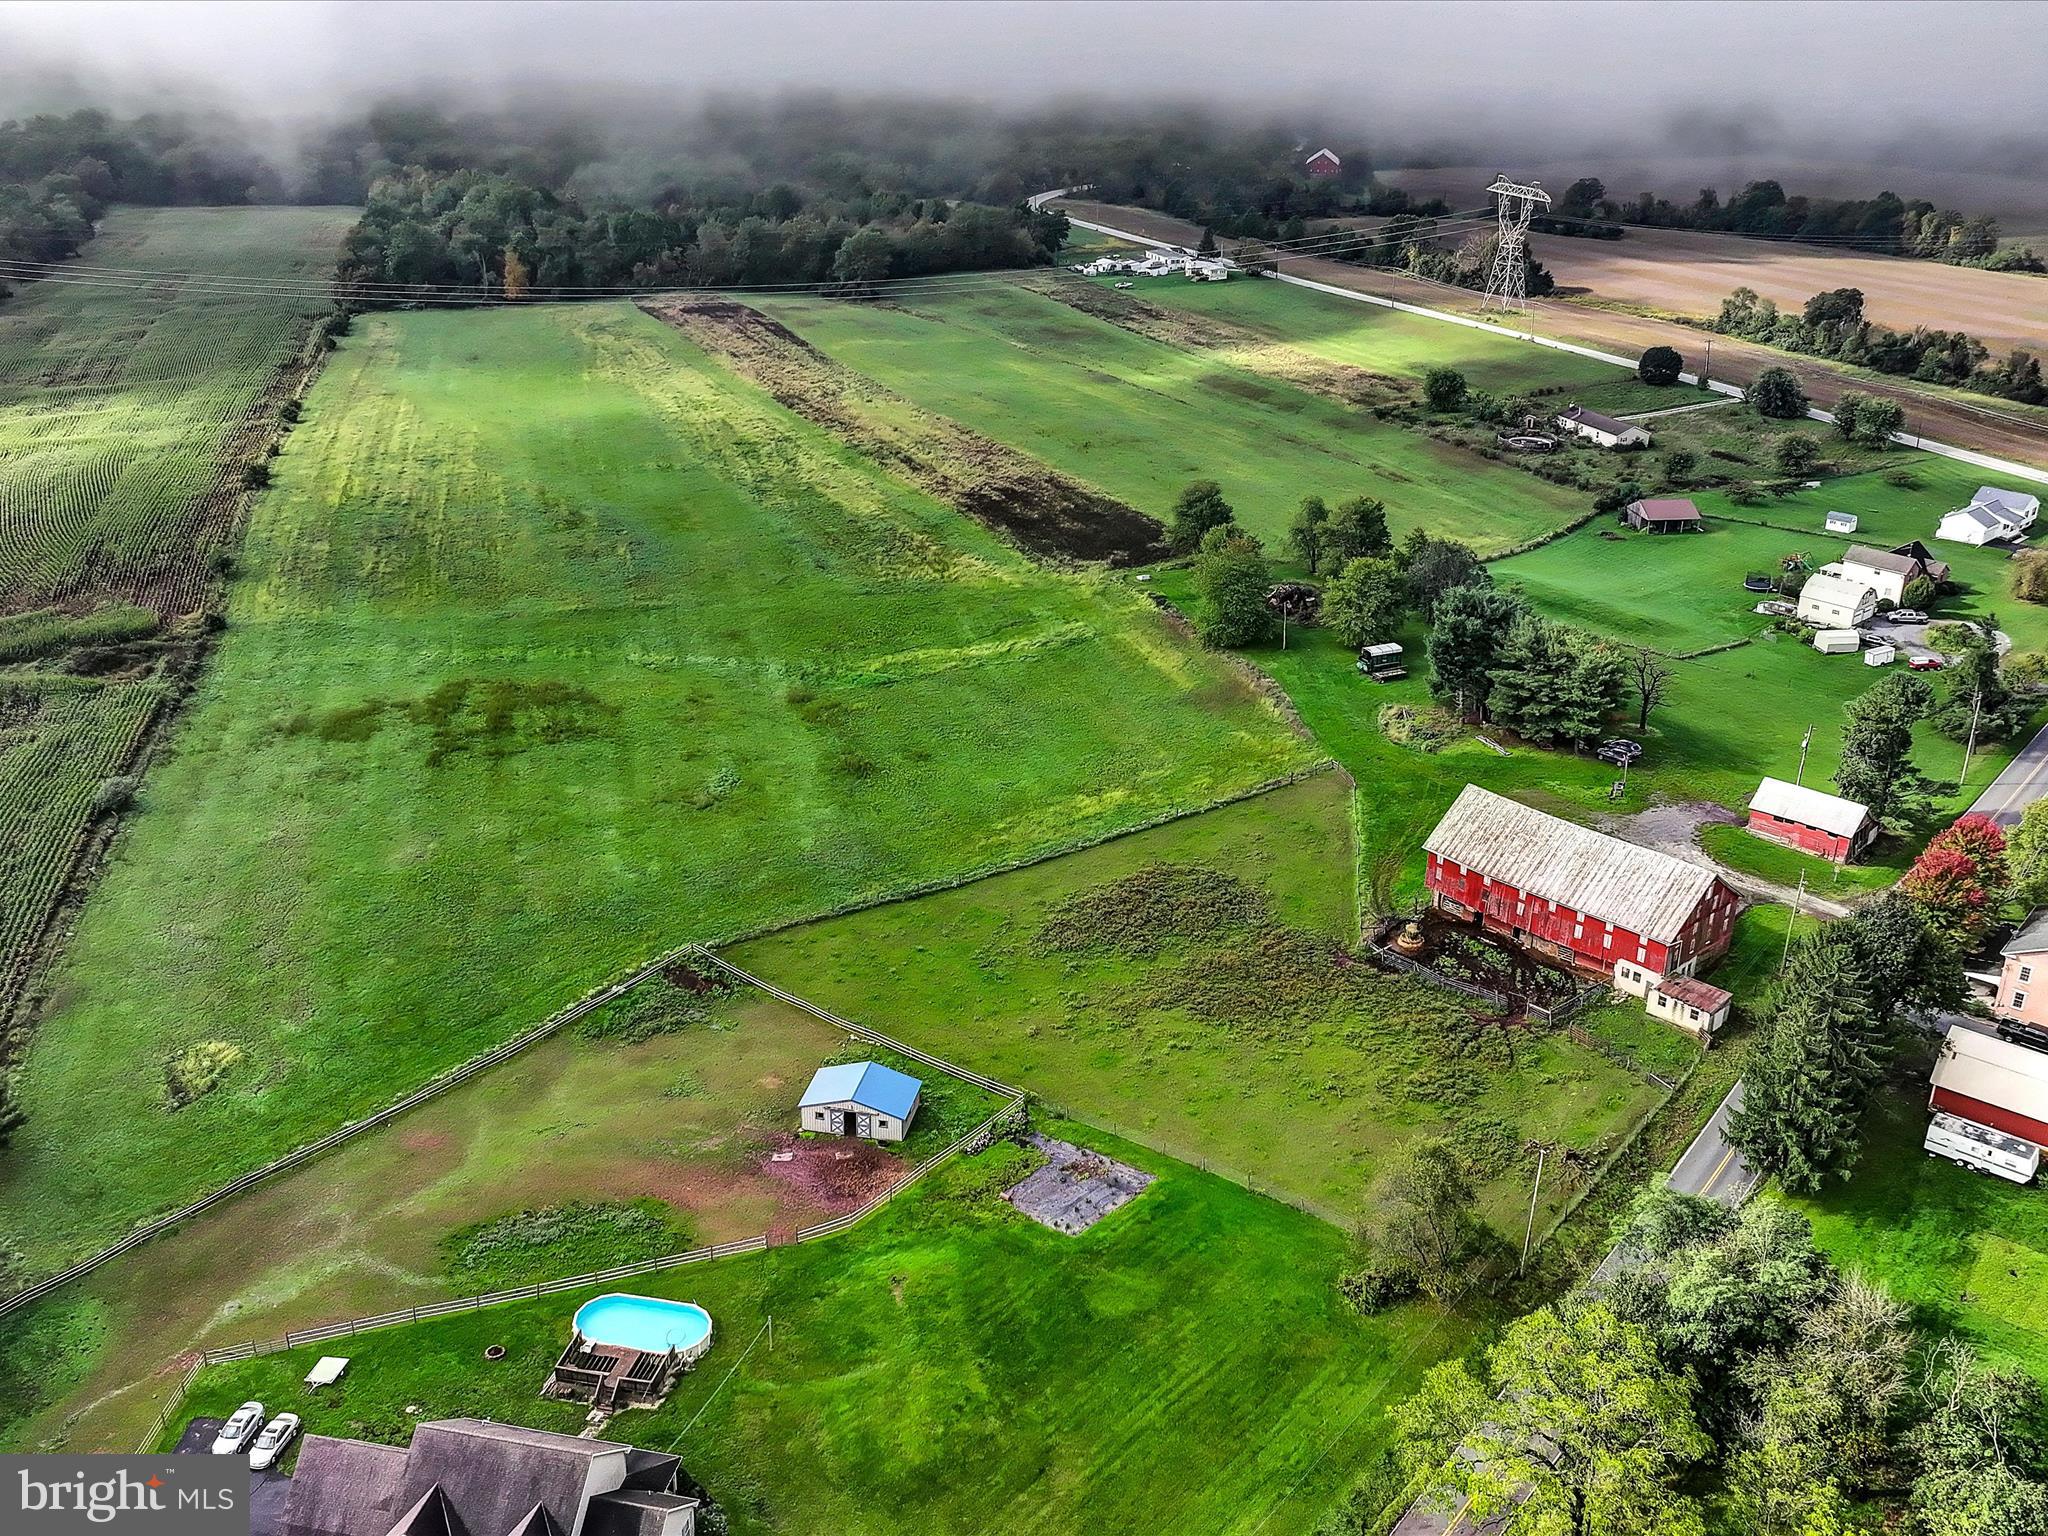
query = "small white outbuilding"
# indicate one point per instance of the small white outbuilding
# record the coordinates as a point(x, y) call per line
point(1835, 600)
point(1837, 642)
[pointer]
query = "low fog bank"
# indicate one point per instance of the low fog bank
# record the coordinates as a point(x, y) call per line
point(1904, 86)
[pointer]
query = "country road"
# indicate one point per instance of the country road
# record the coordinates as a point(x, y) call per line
point(2024, 781)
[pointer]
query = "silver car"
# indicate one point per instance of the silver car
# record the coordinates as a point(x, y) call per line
point(240, 1429)
point(269, 1446)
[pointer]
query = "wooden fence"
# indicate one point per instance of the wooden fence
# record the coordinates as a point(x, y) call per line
point(292, 1338)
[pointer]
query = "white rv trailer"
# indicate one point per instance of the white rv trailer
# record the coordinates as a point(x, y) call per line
point(1970, 1145)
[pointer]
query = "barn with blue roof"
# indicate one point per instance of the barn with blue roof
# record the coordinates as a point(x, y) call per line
point(860, 1098)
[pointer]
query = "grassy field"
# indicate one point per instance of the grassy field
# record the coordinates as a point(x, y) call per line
point(119, 412)
point(686, 1116)
point(1216, 1021)
point(1139, 418)
point(559, 646)
point(1187, 1364)
point(1739, 849)
point(1968, 1252)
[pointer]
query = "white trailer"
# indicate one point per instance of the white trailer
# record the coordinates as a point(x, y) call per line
point(1880, 655)
point(1970, 1145)
point(1837, 642)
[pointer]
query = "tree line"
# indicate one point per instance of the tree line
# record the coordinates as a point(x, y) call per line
point(1885, 224)
point(500, 236)
point(1832, 325)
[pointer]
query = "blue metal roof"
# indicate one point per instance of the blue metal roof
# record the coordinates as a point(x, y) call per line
point(866, 1083)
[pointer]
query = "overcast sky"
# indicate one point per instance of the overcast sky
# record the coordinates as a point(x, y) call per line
point(1809, 76)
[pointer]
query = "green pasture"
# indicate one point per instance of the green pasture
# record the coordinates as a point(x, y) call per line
point(1186, 1364)
point(1968, 1252)
point(1249, 1046)
point(685, 1116)
point(1739, 849)
point(558, 646)
point(1139, 418)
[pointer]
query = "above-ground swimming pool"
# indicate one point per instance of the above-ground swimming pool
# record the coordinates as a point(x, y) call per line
point(646, 1323)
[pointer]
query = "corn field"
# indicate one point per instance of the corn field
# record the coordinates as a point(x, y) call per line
point(128, 416)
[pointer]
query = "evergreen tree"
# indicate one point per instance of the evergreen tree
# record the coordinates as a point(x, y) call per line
point(1876, 769)
point(1436, 566)
point(1811, 1073)
point(1902, 960)
point(1975, 694)
point(1553, 684)
point(1469, 626)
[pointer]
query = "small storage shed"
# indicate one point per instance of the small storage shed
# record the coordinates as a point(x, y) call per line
point(1811, 820)
point(860, 1098)
point(1841, 522)
point(1382, 663)
point(1663, 514)
point(1837, 642)
point(1697, 1007)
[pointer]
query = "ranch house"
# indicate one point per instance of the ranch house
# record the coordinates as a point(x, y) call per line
point(1663, 514)
point(1991, 515)
point(1811, 820)
point(1593, 901)
point(1607, 431)
point(860, 1098)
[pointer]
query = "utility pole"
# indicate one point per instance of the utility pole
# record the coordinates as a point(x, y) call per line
point(1707, 369)
point(1529, 1230)
point(1798, 903)
point(1976, 703)
point(1804, 742)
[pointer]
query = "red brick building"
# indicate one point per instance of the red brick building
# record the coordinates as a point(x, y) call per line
point(1324, 163)
point(1591, 900)
point(1824, 825)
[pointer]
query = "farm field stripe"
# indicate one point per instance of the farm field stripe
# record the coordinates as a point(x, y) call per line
point(1927, 444)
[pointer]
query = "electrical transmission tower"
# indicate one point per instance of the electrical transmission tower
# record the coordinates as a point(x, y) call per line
point(1507, 286)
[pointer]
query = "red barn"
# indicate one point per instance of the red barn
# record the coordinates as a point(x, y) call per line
point(1993, 1082)
point(1591, 900)
point(1824, 825)
point(1324, 163)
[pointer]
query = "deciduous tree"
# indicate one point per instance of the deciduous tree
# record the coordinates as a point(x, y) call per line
point(1198, 508)
point(1307, 535)
point(1777, 394)
point(1959, 882)
point(1660, 365)
point(1364, 604)
point(1231, 581)
point(1426, 1221)
point(1797, 453)
point(1651, 677)
point(1435, 566)
point(1358, 529)
point(2026, 856)
point(1444, 388)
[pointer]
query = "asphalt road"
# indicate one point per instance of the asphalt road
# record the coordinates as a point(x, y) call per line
point(2024, 781)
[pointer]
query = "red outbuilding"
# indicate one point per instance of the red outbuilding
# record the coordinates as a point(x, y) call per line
point(1324, 163)
point(1993, 1082)
point(1824, 825)
point(1590, 900)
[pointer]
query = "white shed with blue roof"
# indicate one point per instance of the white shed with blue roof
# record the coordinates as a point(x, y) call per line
point(861, 1098)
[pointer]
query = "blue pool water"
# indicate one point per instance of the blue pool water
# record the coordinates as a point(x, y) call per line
point(643, 1322)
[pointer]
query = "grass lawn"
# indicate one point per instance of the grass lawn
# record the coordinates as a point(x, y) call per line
point(1140, 418)
point(1216, 1024)
point(558, 646)
point(685, 1117)
point(1740, 849)
point(951, 1366)
point(1967, 1251)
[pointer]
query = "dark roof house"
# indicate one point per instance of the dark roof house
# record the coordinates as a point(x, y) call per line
point(471, 1477)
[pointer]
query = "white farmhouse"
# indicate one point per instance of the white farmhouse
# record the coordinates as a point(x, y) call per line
point(1885, 572)
point(1835, 599)
point(1991, 515)
point(1607, 431)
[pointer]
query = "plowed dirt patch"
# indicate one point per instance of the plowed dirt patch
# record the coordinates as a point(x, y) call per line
point(1044, 512)
point(836, 1172)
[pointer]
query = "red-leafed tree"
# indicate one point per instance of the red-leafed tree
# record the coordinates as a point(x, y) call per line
point(1960, 882)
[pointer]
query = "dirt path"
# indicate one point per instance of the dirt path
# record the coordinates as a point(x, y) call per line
point(1990, 428)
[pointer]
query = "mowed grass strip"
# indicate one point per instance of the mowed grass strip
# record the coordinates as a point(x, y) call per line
point(1186, 1364)
point(560, 646)
point(1139, 418)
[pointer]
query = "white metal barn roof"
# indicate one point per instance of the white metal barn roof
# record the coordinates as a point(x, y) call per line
point(1832, 586)
point(1640, 889)
point(1995, 1071)
point(1809, 807)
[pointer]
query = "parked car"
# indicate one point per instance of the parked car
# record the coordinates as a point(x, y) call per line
point(1127, 285)
point(1925, 663)
point(1619, 752)
point(269, 1446)
point(240, 1429)
point(1907, 616)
